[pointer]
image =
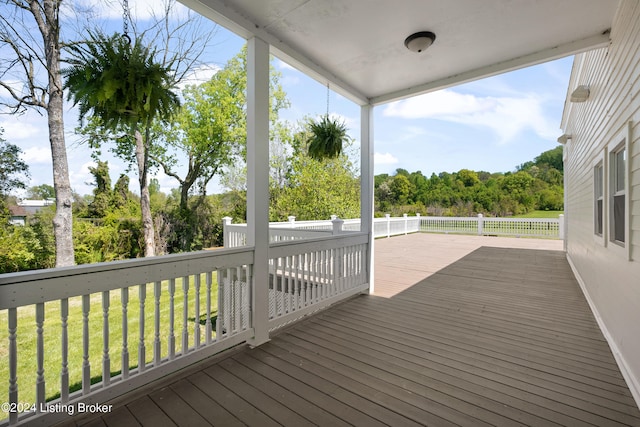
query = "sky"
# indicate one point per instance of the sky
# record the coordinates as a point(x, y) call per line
point(493, 125)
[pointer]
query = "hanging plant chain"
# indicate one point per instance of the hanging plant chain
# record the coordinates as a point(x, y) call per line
point(126, 18)
point(327, 99)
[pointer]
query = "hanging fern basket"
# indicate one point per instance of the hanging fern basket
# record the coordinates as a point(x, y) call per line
point(119, 82)
point(326, 138)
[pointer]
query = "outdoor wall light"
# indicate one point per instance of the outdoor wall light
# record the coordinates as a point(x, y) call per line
point(581, 94)
point(564, 138)
point(419, 41)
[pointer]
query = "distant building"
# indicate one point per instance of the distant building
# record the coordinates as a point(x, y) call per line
point(26, 208)
point(17, 215)
point(33, 206)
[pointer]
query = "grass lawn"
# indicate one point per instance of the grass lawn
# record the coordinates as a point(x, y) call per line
point(541, 214)
point(26, 335)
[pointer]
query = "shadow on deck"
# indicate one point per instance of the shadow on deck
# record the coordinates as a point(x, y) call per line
point(502, 336)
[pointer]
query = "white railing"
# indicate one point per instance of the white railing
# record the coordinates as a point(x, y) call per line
point(114, 326)
point(102, 329)
point(308, 275)
point(550, 228)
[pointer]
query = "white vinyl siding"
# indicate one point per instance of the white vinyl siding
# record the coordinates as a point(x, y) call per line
point(606, 129)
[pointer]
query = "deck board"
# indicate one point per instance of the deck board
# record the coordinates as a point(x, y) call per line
point(459, 331)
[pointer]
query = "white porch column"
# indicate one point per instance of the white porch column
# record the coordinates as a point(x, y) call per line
point(366, 183)
point(258, 181)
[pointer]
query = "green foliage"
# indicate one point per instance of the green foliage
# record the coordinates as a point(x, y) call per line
point(535, 185)
point(28, 247)
point(41, 192)
point(120, 83)
point(318, 189)
point(13, 171)
point(326, 137)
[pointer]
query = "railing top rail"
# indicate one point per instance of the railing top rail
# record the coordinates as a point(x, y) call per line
point(542, 220)
point(299, 246)
point(30, 287)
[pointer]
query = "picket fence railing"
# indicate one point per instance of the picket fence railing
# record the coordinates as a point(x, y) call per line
point(549, 228)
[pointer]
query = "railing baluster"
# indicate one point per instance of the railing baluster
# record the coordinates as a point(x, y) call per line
point(207, 324)
point(13, 363)
point(283, 278)
point(157, 346)
point(227, 326)
point(172, 335)
point(221, 307)
point(106, 362)
point(40, 383)
point(86, 365)
point(185, 315)
point(64, 344)
point(246, 305)
point(295, 293)
point(124, 300)
point(142, 294)
point(237, 301)
point(196, 327)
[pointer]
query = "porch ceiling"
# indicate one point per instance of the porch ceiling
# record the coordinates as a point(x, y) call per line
point(358, 45)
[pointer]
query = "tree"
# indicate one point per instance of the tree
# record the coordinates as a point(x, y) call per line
point(35, 62)
point(552, 158)
point(126, 88)
point(211, 132)
point(318, 189)
point(102, 195)
point(41, 192)
point(13, 170)
point(161, 56)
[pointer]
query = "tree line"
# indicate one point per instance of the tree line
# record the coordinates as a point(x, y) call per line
point(534, 185)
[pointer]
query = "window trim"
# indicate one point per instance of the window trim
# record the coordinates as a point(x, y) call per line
point(600, 162)
point(619, 143)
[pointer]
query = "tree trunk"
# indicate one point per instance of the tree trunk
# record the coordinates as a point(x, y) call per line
point(63, 219)
point(145, 201)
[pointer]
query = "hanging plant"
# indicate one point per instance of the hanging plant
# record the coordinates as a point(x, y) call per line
point(119, 82)
point(326, 138)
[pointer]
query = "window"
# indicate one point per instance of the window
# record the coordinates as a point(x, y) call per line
point(598, 184)
point(617, 199)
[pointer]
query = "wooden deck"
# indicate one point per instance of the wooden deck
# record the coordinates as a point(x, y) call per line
point(461, 331)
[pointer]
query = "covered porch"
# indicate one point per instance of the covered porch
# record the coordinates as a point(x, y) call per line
point(461, 330)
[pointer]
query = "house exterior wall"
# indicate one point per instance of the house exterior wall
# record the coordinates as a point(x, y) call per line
point(608, 272)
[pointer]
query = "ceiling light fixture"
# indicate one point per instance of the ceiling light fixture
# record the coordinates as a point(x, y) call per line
point(419, 41)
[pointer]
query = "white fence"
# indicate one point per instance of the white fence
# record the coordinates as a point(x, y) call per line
point(112, 327)
point(549, 228)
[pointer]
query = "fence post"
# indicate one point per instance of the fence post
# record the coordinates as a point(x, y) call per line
point(561, 225)
point(480, 225)
point(292, 221)
point(388, 217)
point(419, 222)
point(226, 221)
point(406, 225)
point(337, 225)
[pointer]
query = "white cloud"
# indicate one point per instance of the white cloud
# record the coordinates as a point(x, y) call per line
point(25, 127)
point(81, 178)
point(506, 116)
point(200, 74)
point(384, 159)
point(37, 155)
